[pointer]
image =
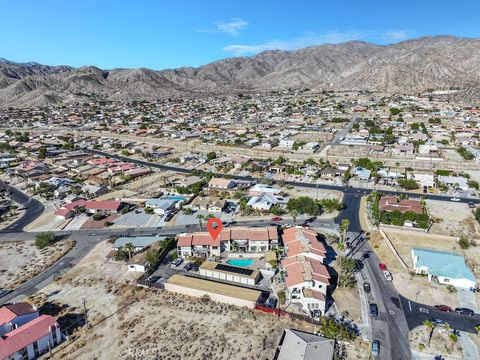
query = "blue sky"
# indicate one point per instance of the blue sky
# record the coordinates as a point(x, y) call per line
point(172, 33)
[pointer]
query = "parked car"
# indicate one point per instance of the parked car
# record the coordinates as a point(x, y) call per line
point(189, 266)
point(375, 347)
point(154, 279)
point(471, 205)
point(177, 262)
point(464, 311)
point(366, 287)
point(439, 322)
point(277, 218)
point(373, 310)
point(456, 199)
point(388, 275)
point(444, 308)
point(382, 266)
point(271, 303)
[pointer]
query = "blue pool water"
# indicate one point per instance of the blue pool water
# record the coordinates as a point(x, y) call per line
point(172, 197)
point(240, 262)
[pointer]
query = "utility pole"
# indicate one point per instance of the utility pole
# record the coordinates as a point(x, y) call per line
point(85, 312)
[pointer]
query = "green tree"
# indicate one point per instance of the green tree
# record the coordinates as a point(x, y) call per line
point(211, 155)
point(431, 326)
point(344, 228)
point(44, 239)
point(395, 111)
point(98, 217)
point(151, 256)
point(42, 153)
point(293, 213)
point(200, 217)
point(408, 184)
point(453, 340)
point(129, 248)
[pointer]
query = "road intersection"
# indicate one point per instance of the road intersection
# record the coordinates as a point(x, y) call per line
point(397, 314)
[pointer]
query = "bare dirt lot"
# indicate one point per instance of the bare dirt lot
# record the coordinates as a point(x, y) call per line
point(21, 260)
point(454, 219)
point(133, 322)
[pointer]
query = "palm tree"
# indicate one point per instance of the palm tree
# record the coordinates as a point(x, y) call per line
point(129, 248)
point(478, 330)
point(344, 228)
point(200, 217)
point(294, 214)
point(431, 326)
point(454, 338)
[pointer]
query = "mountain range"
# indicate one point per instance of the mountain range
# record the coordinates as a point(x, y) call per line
point(413, 66)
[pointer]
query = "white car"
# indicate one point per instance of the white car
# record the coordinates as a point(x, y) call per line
point(454, 199)
point(388, 275)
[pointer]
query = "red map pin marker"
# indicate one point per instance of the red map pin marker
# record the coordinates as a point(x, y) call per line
point(214, 231)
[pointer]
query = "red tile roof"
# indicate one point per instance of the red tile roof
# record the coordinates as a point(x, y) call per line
point(11, 311)
point(6, 315)
point(26, 334)
point(301, 269)
point(391, 203)
point(239, 233)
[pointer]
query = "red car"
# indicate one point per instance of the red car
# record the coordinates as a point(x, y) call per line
point(276, 218)
point(382, 266)
point(444, 308)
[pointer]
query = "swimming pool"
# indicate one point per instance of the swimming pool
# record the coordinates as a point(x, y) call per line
point(240, 262)
point(173, 197)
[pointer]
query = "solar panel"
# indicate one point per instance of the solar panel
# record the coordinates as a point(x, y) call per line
point(234, 269)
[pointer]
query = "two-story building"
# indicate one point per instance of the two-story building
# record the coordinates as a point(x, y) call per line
point(306, 277)
point(238, 239)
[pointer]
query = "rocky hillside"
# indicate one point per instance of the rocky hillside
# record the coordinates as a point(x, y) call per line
point(412, 66)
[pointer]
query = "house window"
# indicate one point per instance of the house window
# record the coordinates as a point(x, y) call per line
point(24, 353)
point(35, 348)
point(54, 334)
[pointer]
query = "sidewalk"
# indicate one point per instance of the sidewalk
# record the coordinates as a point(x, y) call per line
point(469, 348)
point(365, 326)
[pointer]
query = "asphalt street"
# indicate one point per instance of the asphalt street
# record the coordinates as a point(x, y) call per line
point(33, 208)
point(396, 314)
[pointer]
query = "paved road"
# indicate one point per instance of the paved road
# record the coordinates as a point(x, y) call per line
point(393, 323)
point(417, 313)
point(33, 208)
point(390, 327)
point(345, 189)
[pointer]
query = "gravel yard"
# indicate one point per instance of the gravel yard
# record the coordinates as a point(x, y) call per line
point(128, 321)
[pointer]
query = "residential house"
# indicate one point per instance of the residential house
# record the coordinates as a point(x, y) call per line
point(24, 333)
point(161, 206)
point(444, 267)
point(288, 144)
point(361, 173)
point(391, 203)
point(265, 202)
point(261, 189)
point(407, 149)
point(454, 181)
point(307, 279)
point(212, 204)
point(301, 345)
point(221, 184)
point(15, 315)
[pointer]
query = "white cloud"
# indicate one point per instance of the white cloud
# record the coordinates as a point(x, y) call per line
point(333, 37)
point(232, 27)
point(395, 35)
point(301, 42)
